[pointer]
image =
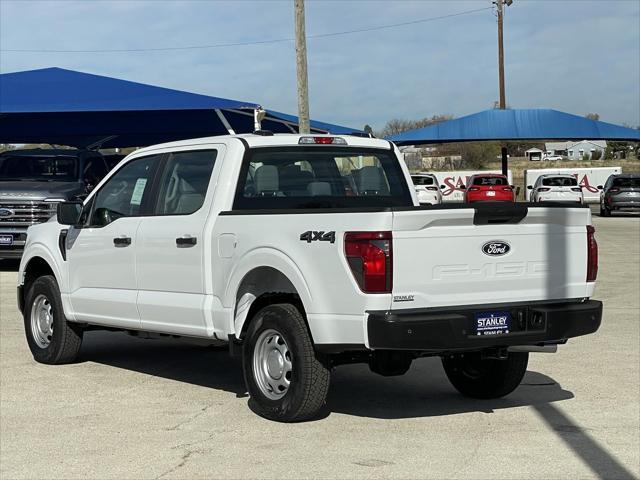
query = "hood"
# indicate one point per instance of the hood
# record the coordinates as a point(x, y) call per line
point(19, 190)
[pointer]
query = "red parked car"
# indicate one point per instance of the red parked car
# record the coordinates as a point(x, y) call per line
point(489, 187)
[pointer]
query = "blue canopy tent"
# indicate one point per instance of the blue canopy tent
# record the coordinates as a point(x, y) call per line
point(528, 124)
point(531, 124)
point(65, 107)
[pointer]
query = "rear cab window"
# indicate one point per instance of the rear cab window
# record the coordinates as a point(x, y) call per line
point(320, 177)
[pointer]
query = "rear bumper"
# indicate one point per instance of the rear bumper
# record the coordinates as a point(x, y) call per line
point(453, 329)
point(559, 198)
point(624, 203)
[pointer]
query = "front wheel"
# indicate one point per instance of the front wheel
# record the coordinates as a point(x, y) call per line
point(51, 338)
point(478, 377)
point(286, 380)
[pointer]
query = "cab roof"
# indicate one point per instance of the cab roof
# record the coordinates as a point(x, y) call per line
point(275, 140)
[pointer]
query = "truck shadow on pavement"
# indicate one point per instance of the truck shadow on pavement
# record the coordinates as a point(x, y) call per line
point(423, 392)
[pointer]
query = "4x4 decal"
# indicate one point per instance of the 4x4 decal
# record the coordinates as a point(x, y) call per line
point(312, 236)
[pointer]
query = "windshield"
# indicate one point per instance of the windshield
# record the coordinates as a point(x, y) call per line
point(419, 180)
point(321, 177)
point(559, 182)
point(628, 182)
point(490, 181)
point(54, 168)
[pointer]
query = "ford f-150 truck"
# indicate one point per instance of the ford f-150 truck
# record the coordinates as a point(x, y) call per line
point(303, 253)
point(34, 181)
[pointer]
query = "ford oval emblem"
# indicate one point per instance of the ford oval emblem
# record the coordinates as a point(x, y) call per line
point(6, 213)
point(496, 248)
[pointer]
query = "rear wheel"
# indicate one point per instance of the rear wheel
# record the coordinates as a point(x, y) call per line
point(285, 379)
point(51, 338)
point(478, 377)
point(604, 211)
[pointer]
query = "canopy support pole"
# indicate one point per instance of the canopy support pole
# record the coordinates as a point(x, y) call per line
point(505, 160)
point(225, 122)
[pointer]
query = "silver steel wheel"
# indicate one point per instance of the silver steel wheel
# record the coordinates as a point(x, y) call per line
point(42, 321)
point(272, 364)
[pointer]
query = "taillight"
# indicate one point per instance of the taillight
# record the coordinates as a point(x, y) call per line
point(576, 189)
point(370, 257)
point(473, 189)
point(543, 189)
point(614, 190)
point(507, 189)
point(592, 254)
point(433, 189)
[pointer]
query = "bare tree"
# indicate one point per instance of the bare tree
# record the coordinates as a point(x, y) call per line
point(397, 125)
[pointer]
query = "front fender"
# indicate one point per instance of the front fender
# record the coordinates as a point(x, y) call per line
point(45, 246)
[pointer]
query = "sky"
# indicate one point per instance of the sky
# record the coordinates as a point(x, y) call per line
point(577, 56)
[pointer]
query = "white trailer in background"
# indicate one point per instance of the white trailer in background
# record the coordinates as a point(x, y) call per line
point(452, 180)
point(588, 178)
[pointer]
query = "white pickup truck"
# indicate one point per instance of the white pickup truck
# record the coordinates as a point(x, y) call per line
point(303, 253)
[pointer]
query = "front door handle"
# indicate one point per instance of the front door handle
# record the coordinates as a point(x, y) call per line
point(186, 241)
point(122, 241)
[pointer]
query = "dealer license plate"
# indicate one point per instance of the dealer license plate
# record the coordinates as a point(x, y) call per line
point(491, 194)
point(492, 323)
point(6, 239)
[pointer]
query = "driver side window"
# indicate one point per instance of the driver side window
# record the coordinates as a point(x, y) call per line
point(125, 193)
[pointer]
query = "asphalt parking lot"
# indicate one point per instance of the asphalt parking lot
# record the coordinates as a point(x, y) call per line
point(136, 408)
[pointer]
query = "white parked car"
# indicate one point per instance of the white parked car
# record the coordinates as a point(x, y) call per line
point(302, 253)
point(556, 188)
point(551, 158)
point(427, 188)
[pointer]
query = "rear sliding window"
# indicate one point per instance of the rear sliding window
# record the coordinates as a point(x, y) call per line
point(490, 181)
point(320, 177)
point(628, 182)
point(559, 182)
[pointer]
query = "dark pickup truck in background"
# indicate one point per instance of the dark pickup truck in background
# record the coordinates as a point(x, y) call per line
point(33, 182)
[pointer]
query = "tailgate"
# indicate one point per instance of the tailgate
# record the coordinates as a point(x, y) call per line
point(488, 254)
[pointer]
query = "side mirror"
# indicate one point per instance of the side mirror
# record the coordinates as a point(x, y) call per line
point(442, 187)
point(69, 212)
point(462, 187)
point(600, 187)
point(529, 187)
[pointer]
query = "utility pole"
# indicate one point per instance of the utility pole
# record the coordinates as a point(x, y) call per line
point(503, 102)
point(301, 67)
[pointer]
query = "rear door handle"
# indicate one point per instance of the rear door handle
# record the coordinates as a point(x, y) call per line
point(122, 241)
point(186, 241)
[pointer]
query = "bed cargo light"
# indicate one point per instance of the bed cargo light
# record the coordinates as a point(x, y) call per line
point(322, 141)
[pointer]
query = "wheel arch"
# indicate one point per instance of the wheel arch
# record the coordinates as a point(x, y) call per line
point(262, 286)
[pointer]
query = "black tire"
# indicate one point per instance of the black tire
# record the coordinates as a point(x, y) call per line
point(307, 391)
point(476, 377)
point(604, 211)
point(66, 338)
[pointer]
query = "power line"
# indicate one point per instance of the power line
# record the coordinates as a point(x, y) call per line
point(255, 42)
